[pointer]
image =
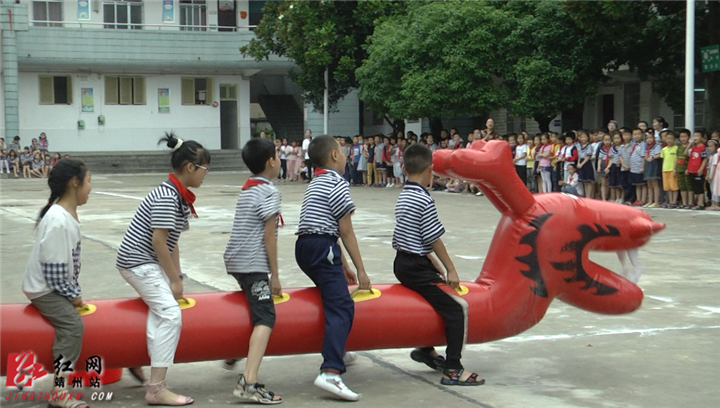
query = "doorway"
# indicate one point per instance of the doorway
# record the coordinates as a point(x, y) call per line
point(227, 16)
point(228, 117)
point(608, 110)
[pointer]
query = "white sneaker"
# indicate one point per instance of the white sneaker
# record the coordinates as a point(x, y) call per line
point(350, 357)
point(334, 384)
point(479, 194)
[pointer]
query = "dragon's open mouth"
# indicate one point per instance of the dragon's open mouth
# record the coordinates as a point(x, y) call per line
point(608, 286)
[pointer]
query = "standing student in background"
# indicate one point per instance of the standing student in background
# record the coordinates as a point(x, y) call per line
point(603, 159)
point(371, 174)
point(697, 162)
point(545, 164)
point(283, 159)
point(637, 168)
point(586, 174)
point(530, 165)
point(669, 169)
point(653, 170)
point(292, 161)
point(520, 158)
point(149, 259)
point(51, 277)
point(614, 182)
point(713, 174)
point(306, 154)
point(686, 194)
point(380, 167)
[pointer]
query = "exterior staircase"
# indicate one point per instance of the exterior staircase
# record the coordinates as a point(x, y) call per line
point(284, 115)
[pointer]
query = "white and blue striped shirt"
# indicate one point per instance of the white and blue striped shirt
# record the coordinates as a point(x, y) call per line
point(327, 200)
point(162, 208)
point(637, 157)
point(245, 251)
point(417, 225)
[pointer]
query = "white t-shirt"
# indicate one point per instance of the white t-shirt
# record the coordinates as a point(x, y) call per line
point(519, 151)
point(283, 152)
point(54, 262)
point(306, 146)
point(290, 152)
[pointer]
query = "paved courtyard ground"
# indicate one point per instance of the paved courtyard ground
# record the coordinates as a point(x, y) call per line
point(663, 355)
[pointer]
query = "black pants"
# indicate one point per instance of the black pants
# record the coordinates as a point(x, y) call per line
point(417, 272)
point(522, 173)
point(283, 167)
point(628, 189)
point(308, 164)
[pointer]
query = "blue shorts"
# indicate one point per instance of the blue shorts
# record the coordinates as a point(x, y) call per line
point(637, 179)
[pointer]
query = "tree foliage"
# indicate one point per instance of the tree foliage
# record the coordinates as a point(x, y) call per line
point(317, 35)
point(438, 58)
point(552, 64)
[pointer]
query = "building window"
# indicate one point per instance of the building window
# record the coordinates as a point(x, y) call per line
point(632, 105)
point(228, 92)
point(117, 14)
point(55, 90)
point(679, 116)
point(193, 15)
point(124, 90)
point(197, 91)
point(46, 11)
point(514, 125)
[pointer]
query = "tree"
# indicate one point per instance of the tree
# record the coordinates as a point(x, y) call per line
point(649, 37)
point(552, 63)
point(438, 58)
point(317, 35)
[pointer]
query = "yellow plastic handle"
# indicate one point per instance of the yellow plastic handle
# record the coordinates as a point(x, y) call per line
point(186, 303)
point(363, 295)
point(281, 299)
point(86, 309)
point(463, 290)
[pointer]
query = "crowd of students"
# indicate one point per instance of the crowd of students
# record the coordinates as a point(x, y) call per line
point(648, 167)
point(149, 260)
point(34, 161)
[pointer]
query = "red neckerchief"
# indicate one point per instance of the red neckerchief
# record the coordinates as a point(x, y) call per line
point(633, 149)
point(607, 154)
point(252, 182)
point(650, 146)
point(186, 194)
point(319, 171)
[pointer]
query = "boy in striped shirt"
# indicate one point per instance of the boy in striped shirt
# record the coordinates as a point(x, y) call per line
point(416, 236)
point(251, 254)
point(326, 215)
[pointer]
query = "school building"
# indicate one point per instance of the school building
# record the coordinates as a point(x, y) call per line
point(113, 75)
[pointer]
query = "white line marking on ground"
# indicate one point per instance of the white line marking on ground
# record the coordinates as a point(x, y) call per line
point(522, 339)
point(710, 309)
point(470, 257)
point(662, 299)
point(118, 195)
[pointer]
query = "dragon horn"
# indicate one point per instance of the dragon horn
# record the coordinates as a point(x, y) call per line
point(491, 167)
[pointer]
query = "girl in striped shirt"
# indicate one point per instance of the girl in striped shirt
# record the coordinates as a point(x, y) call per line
point(149, 260)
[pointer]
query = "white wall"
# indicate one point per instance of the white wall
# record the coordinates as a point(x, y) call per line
point(2, 101)
point(127, 127)
point(344, 122)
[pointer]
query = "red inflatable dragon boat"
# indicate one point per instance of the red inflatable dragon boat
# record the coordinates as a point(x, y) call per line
point(539, 252)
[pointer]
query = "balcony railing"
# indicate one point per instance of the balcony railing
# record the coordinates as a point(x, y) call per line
point(140, 26)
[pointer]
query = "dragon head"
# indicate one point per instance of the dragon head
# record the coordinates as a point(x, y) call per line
point(544, 240)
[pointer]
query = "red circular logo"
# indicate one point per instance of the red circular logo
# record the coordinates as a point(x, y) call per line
point(215, 104)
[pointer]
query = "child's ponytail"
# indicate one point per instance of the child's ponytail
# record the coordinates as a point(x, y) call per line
point(58, 179)
point(185, 151)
